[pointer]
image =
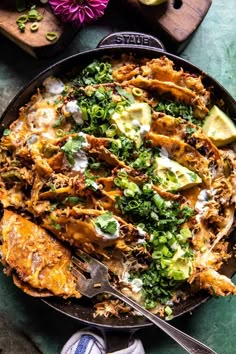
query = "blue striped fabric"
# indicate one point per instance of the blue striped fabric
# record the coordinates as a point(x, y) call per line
point(86, 345)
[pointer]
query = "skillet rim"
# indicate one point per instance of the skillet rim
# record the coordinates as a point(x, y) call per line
point(24, 94)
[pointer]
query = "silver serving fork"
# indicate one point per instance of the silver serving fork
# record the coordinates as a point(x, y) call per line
point(98, 283)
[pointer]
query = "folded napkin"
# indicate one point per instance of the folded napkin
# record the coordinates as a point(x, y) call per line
point(86, 342)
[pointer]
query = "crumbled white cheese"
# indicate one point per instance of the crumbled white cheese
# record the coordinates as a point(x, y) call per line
point(141, 241)
point(201, 203)
point(53, 85)
point(32, 139)
point(135, 123)
point(136, 285)
point(48, 135)
point(94, 185)
point(85, 144)
point(141, 232)
point(144, 129)
point(125, 277)
point(81, 162)
point(164, 152)
point(73, 108)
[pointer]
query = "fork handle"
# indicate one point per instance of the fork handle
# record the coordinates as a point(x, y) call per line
point(190, 344)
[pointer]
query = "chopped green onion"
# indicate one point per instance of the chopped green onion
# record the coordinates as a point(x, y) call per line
point(111, 131)
point(21, 26)
point(168, 310)
point(22, 19)
point(34, 15)
point(34, 27)
point(53, 188)
point(158, 200)
point(51, 36)
point(137, 91)
point(59, 133)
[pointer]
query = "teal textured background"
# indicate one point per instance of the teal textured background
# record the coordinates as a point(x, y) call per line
point(213, 49)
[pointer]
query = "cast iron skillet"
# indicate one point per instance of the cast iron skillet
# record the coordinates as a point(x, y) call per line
point(141, 45)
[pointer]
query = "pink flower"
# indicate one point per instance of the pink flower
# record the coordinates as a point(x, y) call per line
point(78, 11)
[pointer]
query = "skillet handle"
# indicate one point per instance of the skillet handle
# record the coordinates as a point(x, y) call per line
point(122, 39)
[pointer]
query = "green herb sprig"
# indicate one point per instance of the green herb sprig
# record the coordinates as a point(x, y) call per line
point(72, 146)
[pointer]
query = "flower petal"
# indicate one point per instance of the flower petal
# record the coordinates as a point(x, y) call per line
point(78, 12)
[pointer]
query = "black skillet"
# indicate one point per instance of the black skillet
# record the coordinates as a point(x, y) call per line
point(140, 45)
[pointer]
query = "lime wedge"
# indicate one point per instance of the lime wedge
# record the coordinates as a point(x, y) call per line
point(219, 127)
point(152, 2)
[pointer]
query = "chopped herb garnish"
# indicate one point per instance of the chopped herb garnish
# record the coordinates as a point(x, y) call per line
point(190, 130)
point(125, 94)
point(72, 146)
point(6, 132)
point(106, 223)
point(178, 109)
point(53, 188)
point(95, 73)
point(58, 122)
point(55, 225)
point(162, 220)
point(74, 200)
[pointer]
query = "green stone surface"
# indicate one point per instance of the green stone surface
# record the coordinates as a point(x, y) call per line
point(25, 320)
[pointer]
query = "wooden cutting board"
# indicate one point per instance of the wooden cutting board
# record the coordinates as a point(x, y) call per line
point(35, 43)
point(174, 21)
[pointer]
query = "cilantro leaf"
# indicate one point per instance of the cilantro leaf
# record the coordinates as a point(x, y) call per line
point(106, 223)
point(72, 146)
point(125, 94)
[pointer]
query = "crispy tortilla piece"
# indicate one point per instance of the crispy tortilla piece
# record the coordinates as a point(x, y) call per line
point(29, 290)
point(159, 75)
point(178, 128)
point(215, 283)
point(76, 226)
point(183, 153)
point(37, 258)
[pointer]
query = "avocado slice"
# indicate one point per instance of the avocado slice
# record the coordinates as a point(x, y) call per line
point(134, 121)
point(219, 127)
point(181, 266)
point(174, 176)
